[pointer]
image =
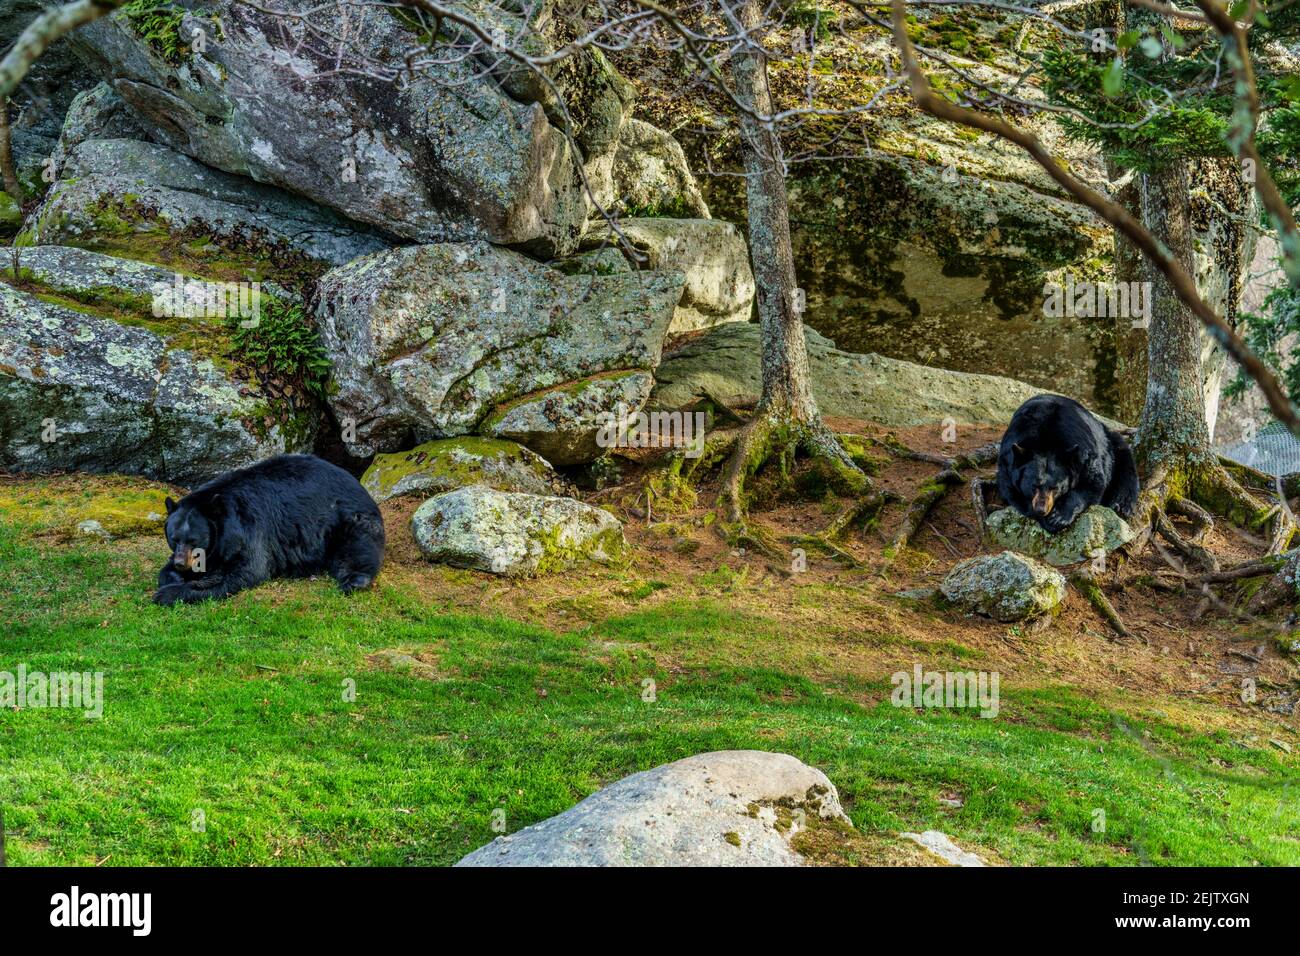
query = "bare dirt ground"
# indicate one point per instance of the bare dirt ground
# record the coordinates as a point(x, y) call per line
point(1178, 653)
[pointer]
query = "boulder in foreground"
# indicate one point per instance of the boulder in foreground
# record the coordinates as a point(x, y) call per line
point(1006, 586)
point(728, 808)
point(514, 534)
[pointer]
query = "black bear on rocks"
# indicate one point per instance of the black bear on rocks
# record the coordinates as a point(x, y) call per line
point(1056, 459)
point(288, 516)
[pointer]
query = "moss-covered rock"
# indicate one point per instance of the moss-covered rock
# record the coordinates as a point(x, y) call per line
point(722, 364)
point(141, 201)
point(1006, 586)
point(446, 154)
point(564, 424)
point(81, 391)
point(514, 534)
point(451, 463)
point(1095, 533)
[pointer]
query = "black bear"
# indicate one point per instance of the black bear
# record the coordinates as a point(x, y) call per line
point(288, 516)
point(1056, 459)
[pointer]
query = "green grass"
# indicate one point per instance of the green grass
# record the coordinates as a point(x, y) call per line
point(237, 709)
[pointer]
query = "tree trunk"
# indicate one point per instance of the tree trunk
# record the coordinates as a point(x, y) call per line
point(1123, 394)
point(786, 387)
point(1172, 432)
point(8, 178)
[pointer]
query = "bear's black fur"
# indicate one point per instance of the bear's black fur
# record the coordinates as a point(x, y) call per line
point(1056, 459)
point(288, 516)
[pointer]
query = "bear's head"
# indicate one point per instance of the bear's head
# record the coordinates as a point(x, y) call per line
point(191, 534)
point(1043, 478)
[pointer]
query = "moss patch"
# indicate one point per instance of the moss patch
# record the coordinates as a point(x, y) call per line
point(61, 506)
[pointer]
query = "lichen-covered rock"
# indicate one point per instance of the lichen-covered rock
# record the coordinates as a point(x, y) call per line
point(96, 113)
point(728, 808)
point(1096, 532)
point(451, 463)
point(79, 392)
point(444, 154)
point(723, 364)
point(583, 83)
point(563, 425)
point(1006, 586)
point(514, 534)
point(651, 176)
point(429, 339)
point(87, 276)
point(710, 253)
point(147, 201)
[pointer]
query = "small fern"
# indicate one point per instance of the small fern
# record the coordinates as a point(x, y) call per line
point(158, 23)
point(283, 342)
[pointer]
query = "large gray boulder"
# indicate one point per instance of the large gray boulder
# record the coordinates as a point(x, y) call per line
point(710, 253)
point(443, 154)
point(81, 392)
point(723, 364)
point(728, 808)
point(1005, 587)
point(514, 534)
point(451, 463)
point(564, 425)
point(651, 176)
point(96, 113)
point(429, 339)
point(1095, 533)
point(149, 202)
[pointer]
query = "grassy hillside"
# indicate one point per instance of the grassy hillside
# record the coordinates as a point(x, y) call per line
point(474, 694)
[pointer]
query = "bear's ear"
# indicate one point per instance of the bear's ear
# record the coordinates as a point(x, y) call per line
point(171, 505)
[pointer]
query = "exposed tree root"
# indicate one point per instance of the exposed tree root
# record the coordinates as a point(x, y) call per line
point(929, 495)
point(1202, 521)
point(980, 488)
point(1087, 584)
point(1193, 553)
point(774, 436)
point(1281, 589)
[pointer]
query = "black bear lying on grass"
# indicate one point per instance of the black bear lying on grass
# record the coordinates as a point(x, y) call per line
point(1056, 459)
point(289, 516)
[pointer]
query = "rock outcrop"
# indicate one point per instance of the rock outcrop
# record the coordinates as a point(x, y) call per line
point(84, 392)
point(651, 176)
point(443, 153)
point(710, 253)
point(723, 364)
point(564, 425)
point(427, 340)
point(148, 201)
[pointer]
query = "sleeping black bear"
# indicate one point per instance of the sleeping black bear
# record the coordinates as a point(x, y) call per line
point(288, 516)
point(1057, 458)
